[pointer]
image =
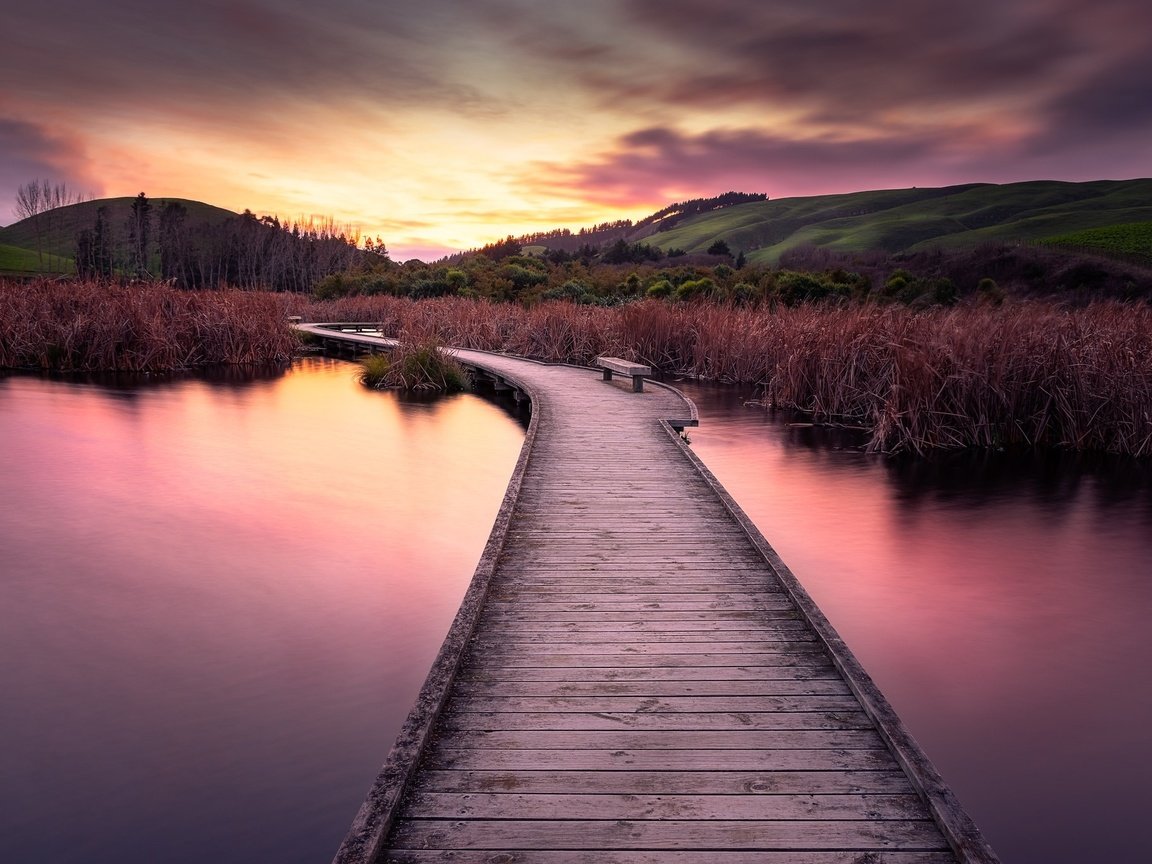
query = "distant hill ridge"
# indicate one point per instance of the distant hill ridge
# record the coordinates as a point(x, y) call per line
point(1110, 216)
point(891, 220)
point(50, 237)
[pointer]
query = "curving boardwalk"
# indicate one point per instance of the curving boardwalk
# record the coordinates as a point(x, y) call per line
point(635, 677)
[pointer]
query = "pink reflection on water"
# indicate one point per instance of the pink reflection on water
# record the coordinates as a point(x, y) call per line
point(1001, 607)
point(220, 601)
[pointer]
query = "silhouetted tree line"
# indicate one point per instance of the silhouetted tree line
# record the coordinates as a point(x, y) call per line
point(590, 242)
point(241, 251)
point(606, 226)
point(673, 213)
point(500, 249)
point(537, 237)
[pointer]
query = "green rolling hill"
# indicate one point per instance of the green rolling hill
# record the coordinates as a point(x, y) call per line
point(15, 259)
point(898, 220)
point(1112, 217)
point(50, 239)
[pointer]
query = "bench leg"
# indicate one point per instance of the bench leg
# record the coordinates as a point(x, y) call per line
point(637, 383)
point(607, 374)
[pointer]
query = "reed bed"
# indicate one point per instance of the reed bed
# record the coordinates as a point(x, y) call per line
point(92, 326)
point(1030, 374)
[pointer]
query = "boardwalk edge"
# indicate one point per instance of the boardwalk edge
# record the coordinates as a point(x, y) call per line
point(365, 838)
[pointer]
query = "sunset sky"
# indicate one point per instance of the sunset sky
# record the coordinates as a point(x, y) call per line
point(444, 124)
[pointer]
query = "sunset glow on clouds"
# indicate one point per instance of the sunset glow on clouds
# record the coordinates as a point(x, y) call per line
point(445, 124)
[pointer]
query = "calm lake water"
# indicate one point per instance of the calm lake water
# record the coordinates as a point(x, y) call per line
point(219, 598)
point(1002, 603)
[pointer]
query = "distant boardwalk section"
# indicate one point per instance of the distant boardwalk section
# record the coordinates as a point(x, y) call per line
point(635, 677)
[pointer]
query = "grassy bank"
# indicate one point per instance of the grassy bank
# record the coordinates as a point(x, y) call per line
point(91, 326)
point(1022, 374)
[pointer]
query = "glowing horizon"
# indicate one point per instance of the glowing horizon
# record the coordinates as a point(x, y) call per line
point(439, 127)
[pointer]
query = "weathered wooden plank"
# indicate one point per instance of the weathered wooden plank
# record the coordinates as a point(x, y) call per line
point(722, 640)
point(662, 739)
point(666, 628)
point(686, 550)
point(667, 834)
point(571, 634)
point(552, 689)
point(640, 564)
point(618, 704)
point(719, 531)
point(660, 760)
point(799, 656)
point(645, 521)
point(653, 558)
point(612, 587)
point(703, 603)
point(747, 672)
point(664, 856)
point(648, 615)
point(723, 783)
point(497, 648)
point(518, 805)
point(680, 586)
point(616, 593)
point(463, 720)
point(733, 641)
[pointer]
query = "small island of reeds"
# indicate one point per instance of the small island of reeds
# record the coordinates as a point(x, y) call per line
point(414, 364)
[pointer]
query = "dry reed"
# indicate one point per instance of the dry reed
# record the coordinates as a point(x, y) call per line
point(1027, 374)
point(91, 326)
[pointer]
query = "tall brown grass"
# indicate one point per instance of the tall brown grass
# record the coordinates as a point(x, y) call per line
point(94, 326)
point(1024, 374)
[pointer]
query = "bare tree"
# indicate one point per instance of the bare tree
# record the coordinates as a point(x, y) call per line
point(30, 205)
point(44, 202)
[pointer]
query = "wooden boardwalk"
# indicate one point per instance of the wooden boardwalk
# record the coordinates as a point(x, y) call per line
point(635, 677)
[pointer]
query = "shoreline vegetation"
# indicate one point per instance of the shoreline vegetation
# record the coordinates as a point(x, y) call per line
point(90, 326)
point(975, 374)
point(978, 375)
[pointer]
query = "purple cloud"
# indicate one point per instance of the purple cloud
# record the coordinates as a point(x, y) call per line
point(251, 58)
point(656, 165)
point(29, 152)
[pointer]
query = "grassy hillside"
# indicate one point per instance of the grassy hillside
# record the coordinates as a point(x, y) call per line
point(15, 260)
point(51, 237)
point(915, 219)
point(1131, 239)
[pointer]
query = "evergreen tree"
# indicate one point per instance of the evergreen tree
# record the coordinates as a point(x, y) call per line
point(139, 231)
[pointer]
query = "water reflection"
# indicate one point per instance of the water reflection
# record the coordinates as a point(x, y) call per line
point(220, 596)
point(1000, 600)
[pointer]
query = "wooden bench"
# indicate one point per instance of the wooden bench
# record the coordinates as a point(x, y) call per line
point(612, 365)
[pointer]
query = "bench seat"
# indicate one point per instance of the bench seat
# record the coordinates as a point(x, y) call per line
point(615, 365)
